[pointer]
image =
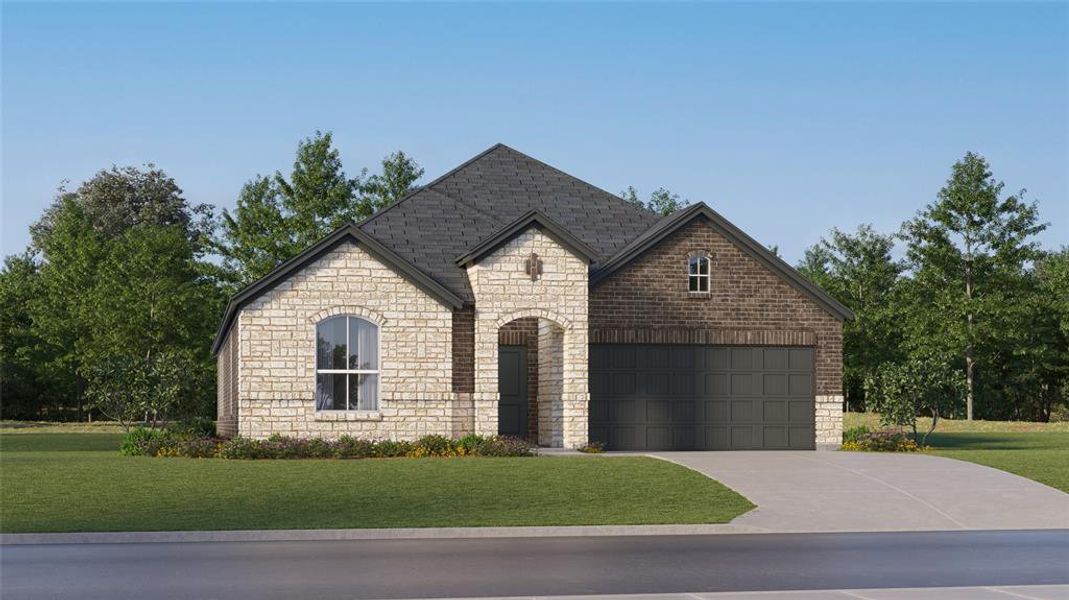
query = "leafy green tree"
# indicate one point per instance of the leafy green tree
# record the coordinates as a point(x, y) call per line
point(966, 253)
point(278, 217)
point(131, 389)
point(29, 389)
point(661, 201)
point(858, 270)
point(918, 386)
point(399, 176)
point(115, 274)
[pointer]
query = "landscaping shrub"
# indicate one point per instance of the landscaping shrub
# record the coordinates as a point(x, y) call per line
point(144, 441)
point(505, 446)
point(592, 448)
point(854, 434)
point(165, 442)
point(349, 447)
point(884, 440)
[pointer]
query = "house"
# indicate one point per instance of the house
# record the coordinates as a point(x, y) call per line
point(509, 297)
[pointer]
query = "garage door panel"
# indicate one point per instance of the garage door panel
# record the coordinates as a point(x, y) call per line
point(742, 384)
point(775, 359)
point(774, 384)
point(800, 359)
point(774, 411)
point(742, 358)
point(658, 411)
point(702, 397)
point(800, 411)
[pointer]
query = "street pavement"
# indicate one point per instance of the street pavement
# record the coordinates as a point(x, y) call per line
point(536, 566)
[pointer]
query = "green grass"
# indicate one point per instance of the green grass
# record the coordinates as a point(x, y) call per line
point(78, 482)
point(1038, 451)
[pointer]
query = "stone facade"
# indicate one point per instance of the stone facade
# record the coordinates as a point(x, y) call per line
point(277, 342)
point(226, 420)
point(503, 293)
point(648, 302)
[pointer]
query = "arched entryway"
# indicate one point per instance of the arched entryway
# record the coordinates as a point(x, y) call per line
point(530, 379)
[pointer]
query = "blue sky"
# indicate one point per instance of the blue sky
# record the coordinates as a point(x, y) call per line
point(789, 119)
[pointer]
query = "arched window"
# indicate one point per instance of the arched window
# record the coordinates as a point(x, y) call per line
point(347, 364)
point(698, 274)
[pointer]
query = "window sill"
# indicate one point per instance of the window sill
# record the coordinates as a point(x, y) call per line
point(698, 294)
point(348, 415)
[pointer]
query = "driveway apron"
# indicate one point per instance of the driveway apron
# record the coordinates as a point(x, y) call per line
point(853, 491)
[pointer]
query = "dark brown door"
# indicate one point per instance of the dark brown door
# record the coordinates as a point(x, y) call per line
point(675, 397)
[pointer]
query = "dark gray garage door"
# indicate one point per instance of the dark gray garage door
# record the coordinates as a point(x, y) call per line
point(671, 397)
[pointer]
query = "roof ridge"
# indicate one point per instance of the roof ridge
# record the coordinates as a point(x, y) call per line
point(570, 176)
point(434, 182)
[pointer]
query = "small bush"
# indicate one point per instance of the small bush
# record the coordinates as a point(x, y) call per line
point(592, 448)
point(392, 448)
point(505, 446)
point(349, 447)
point(854, 434)
point(241, 448)
point(191, 448)
point(433, 445)
point(885, 440)
point(143, 441)
point(469, 444)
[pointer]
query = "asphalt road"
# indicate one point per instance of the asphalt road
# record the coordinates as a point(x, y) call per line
point(532, 566)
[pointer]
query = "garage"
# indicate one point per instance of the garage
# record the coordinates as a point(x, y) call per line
point(683, 397)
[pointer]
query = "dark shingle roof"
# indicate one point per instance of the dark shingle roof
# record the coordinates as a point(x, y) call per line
point(448, 217)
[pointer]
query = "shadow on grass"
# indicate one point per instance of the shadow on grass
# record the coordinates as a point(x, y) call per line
point(999, 441)
point(58, 442)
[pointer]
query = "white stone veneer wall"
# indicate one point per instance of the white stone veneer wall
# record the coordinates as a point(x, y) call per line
point(829, 414)
point(504, 292)
point(277, 335)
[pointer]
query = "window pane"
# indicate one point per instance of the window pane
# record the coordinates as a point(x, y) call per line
point(330, 391)
point(363, 392)
point(703, 266)
point(693, 283)
point(330, 344)
point(363, 337)
point(703, 283)
point(692, 266)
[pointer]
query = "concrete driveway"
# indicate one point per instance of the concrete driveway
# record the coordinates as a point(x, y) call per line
point(853, 491)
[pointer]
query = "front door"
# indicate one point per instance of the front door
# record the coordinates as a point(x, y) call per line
point(512, 385)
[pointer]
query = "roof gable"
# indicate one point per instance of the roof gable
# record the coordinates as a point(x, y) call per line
point(347, 234)
point(677, 220)
point(534, 219)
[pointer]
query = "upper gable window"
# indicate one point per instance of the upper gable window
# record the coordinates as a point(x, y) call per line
point(347, 364)
point(698, 274)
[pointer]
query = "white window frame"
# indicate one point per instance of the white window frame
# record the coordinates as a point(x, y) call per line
point(699, 276)
point(377, 371)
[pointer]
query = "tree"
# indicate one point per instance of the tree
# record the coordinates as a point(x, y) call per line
point(661, 202)
point(129, 389)
point(858, 270)
point(30, 390)
point(114, 200)
point(918, 386)
point(278, 217)
point(399, 174)
point(966, 252)
point(118, 268)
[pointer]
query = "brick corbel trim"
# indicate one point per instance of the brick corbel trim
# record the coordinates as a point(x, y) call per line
point(731, 337)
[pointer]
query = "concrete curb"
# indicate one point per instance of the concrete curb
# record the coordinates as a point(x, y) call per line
point(428, 533)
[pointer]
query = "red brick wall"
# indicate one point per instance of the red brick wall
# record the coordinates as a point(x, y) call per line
point(648, 300)
point(464, 350)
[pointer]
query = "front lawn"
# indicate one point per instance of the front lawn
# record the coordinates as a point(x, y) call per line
point(78, 482)
point(1038, 451)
